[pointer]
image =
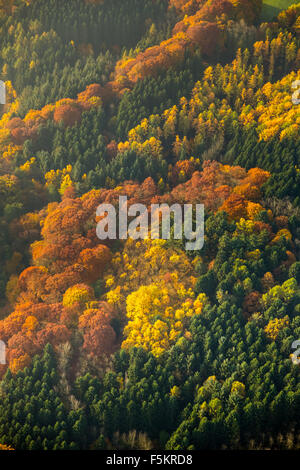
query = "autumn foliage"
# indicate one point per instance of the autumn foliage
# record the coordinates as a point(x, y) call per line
point(55, 294)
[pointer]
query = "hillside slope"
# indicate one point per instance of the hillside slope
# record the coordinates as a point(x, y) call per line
point(142, 344)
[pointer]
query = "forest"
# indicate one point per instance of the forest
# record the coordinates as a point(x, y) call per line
point(141, 344)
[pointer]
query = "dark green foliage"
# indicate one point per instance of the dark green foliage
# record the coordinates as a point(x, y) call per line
point(33, 415)
point(154, 95)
